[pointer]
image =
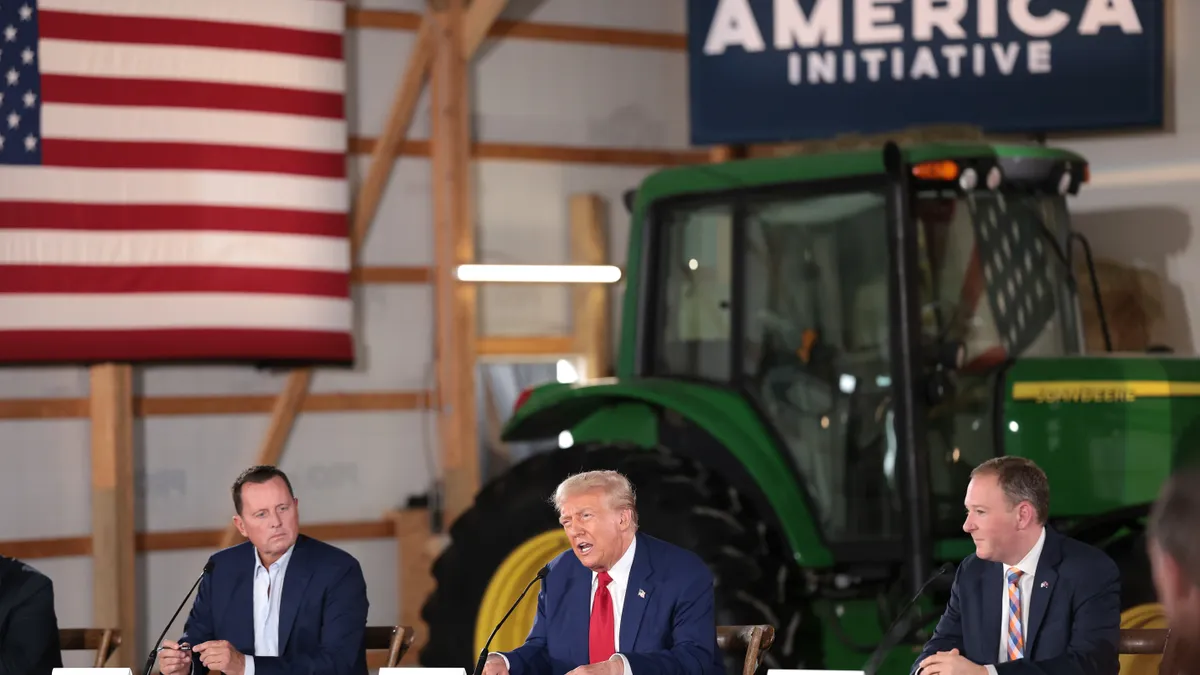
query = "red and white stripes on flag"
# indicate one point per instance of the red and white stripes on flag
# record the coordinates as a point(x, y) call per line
point(173, 181)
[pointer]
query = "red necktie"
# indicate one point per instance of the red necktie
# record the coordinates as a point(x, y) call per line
point(601, 632)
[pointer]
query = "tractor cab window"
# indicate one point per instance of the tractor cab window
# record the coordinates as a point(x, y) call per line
point(992, 281)
point(816, 356)
point(696, 282)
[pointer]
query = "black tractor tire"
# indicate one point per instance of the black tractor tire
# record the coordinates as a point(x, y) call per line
point(678, 500)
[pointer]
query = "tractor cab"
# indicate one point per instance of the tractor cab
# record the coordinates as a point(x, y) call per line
point(781, 291)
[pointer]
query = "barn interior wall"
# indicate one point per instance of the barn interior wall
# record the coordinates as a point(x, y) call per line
point(353, 466)
point(1142, 206)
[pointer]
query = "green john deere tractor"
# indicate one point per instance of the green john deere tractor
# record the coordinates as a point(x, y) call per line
point(815, 352)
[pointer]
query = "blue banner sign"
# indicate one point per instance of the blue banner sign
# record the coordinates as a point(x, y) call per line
point(764, 71)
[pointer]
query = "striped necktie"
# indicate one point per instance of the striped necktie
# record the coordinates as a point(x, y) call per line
point(1016, 636)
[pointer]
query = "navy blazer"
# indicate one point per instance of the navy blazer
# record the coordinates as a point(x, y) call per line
point(28, 624)
point(1074, 613)
point(668, 625)
point(322, 614)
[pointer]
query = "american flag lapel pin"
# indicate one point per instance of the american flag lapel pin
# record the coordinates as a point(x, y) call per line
point(641, 593)
point(1045, 584)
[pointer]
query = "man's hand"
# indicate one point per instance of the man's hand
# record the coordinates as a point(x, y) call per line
point(950, 663)
point(220, 655)
point(172, 660)
point(613, 666)
point(495, 665)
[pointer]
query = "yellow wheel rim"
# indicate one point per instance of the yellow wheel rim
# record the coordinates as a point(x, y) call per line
point(507, 583)
point(1149, 615)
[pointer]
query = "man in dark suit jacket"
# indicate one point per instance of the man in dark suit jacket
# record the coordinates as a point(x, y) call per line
point(620, 602)
point(28, 624)
point(247, 621)
point(1029, 601)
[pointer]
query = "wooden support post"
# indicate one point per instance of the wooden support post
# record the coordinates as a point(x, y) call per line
point(417, 549)
point(477, 22)
point(454, 245)
point(114, 596)
point(591, 303)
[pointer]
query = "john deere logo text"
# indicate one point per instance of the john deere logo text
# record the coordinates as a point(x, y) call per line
point(1084, 394)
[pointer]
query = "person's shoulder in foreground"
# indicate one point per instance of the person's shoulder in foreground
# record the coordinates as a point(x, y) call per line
point(29, 639)
point(1174, 551)
point(1073, 588)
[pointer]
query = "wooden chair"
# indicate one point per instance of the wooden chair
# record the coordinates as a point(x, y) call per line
point(753, 641)
point(395, 639)
point(104, 641)
point(1149, 642)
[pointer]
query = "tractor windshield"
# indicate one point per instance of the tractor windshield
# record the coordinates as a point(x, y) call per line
point(793, 310)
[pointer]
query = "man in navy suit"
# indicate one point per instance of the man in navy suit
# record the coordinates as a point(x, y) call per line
point(28, 624)
point(1029, 601)
point(619, 602)
point(247, 621)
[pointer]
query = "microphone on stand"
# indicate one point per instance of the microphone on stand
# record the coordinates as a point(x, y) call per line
point(891, 636)
point(208, 567)
point(483, 654)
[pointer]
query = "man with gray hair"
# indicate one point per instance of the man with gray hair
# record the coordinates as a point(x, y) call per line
point(619, 602)
point(1029, 601)
point(1174, 550)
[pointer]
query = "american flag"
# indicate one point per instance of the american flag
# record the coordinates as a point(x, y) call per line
point(173, 181)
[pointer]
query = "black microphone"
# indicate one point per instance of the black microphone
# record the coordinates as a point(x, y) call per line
point(891, 636)
point(483, 654)
point(208, 567)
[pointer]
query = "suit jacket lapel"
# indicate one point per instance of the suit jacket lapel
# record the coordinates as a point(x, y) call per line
point(991, 589)
point(239, 613)
point(637, 594)
point(1043, 586)
point(579, 594)
point(295, 582)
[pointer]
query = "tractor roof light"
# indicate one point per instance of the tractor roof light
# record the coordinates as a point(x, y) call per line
point(940, 170)
point(969, 180)
point(994, 178)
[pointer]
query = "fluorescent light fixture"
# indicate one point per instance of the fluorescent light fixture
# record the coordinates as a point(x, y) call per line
point(539, 274)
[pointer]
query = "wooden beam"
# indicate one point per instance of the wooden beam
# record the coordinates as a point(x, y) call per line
point(454, 244)
point(181, 540)
point(477, 22)
point(392, 275)
point(379, 19)
point(592, 303)
point(159, 406)
point(395, 130)
point(525, 345)
point(559, 154)
point(114, 594)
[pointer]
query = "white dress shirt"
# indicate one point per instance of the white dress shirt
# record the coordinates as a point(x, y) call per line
point(1028, 567)
point(268, 591)
point(616, 589)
